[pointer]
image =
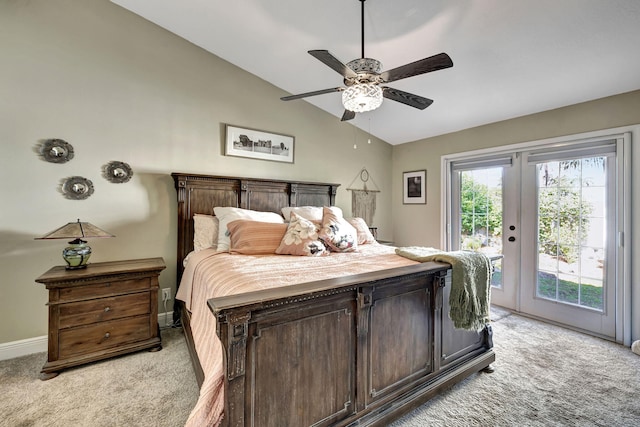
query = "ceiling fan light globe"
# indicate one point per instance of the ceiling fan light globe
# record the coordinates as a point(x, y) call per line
point(362, 97)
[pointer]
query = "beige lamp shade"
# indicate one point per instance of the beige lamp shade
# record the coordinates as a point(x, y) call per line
point(76, 230)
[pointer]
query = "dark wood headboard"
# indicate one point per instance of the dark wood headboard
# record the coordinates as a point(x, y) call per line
point(199, 194)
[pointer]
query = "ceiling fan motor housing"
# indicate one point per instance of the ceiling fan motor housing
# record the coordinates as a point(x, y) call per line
point(368, 71)
point(366, 65)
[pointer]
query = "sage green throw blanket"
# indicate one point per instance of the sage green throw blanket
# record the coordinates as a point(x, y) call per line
point(470, 283)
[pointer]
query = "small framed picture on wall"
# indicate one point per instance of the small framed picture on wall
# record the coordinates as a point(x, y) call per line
point(415, 187)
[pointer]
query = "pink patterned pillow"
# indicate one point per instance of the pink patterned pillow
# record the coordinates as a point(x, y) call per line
point(301, 238)
point(337, 233)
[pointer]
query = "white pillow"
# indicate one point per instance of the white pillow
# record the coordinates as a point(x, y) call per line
point(226, 215)
point(205, 232)
point(312, 213)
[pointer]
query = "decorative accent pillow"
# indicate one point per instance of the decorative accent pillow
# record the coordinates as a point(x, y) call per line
point(205, 232)
point(301, 238)
point(312, 213)
point(255, 237)
point(337, 233)
point(227, 214)
point(362, 230)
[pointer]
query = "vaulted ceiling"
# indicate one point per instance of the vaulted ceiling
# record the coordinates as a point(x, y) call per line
point(511, 57)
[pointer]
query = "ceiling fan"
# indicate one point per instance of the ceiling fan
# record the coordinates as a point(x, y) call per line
point(363, 80)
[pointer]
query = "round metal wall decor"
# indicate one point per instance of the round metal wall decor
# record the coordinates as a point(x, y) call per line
point(117, 172)
point(56, 151)
point(77, 188)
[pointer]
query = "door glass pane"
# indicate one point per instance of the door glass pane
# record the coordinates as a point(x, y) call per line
point(481, 215)
point(571, 231)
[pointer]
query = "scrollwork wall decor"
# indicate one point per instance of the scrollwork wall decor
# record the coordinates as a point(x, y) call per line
point(117, 172)
point(76, 188)
point(56, 151)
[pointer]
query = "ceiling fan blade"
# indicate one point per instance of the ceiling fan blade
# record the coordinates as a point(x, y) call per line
point(332, 62)
point(314, 93)
point(406, 98)
point(348, 115)
point(426, 65)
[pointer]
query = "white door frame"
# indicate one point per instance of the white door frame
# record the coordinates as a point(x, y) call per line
point(623, 298)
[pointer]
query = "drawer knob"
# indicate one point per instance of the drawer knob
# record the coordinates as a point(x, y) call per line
point(107, 309)
point(107, 335)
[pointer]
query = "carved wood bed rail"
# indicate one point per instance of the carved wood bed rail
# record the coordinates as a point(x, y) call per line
point(356, 350)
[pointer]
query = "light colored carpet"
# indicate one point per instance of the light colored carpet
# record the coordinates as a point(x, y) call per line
point(545, 376)
point(140, 389)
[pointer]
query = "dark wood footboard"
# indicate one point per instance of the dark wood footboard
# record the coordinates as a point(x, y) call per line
point(361, 350)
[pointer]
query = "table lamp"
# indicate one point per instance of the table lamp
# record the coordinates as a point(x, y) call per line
point(78, 252)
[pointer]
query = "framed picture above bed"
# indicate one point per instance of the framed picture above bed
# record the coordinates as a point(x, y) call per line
point(258, 144)
point(414, 187)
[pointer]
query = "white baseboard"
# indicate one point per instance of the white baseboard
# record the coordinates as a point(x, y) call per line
point(28, 346)
point(19, 348)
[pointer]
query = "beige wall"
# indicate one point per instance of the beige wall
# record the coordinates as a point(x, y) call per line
point(425, 220)
point(120, 88)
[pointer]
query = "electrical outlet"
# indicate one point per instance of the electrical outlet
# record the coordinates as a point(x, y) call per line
point(166, 294)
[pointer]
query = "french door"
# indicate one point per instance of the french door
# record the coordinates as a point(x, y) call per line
point(484, 219)
point(551, 220)
point(569, 248)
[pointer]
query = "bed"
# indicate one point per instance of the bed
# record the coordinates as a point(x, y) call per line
point(360, 346)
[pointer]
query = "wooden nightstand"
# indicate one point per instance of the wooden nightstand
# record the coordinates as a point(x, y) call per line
point(105, 310)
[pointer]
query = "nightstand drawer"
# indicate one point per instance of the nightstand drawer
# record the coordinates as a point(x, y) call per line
point(103, 309)
point(100, 336)
point(104, 289)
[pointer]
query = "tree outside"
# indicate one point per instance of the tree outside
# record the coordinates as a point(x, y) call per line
point(570, 240)
point(481, 213)
point(563, 219)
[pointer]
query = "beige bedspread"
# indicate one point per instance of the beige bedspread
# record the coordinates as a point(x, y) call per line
point(211, 274)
